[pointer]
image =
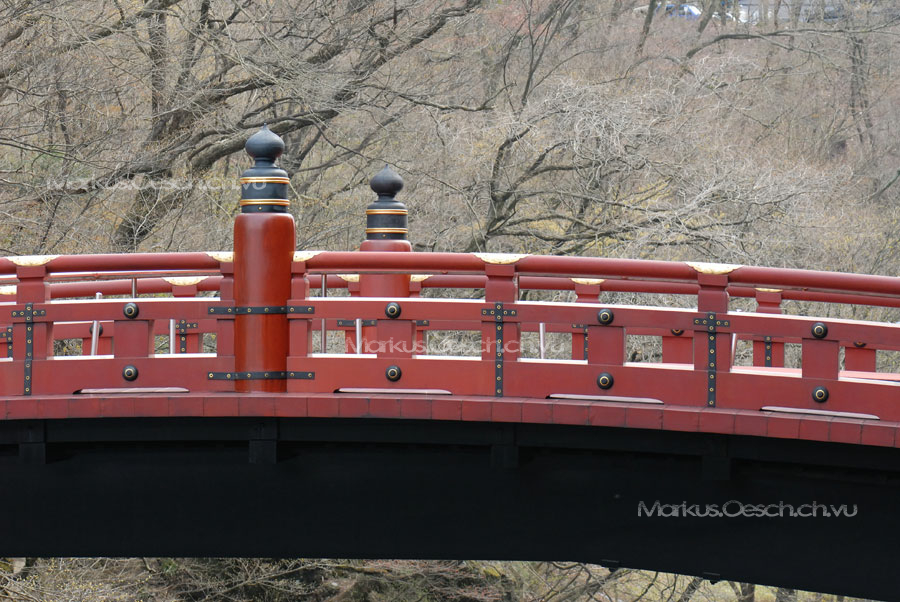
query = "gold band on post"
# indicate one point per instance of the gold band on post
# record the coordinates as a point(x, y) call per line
point(387, 212)
point(272, 180)
point(282, 202)
point(386, 230)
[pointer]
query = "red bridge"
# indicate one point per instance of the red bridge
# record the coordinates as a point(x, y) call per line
point(300, 403)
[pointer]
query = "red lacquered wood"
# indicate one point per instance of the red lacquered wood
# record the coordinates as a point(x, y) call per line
point(389, 286)
point(826, 281)
point(860, 359)
point(678, 383)
point(263, 252)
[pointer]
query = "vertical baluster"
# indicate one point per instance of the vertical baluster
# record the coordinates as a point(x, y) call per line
point(501, 333)
point(32, 334)
point(860, 358)
point(351, 344)
point(95, 331)
point(766, 350)
point(181, 339)
point(712, 339)
point(587, 290)
point(225, 324)
point(300, 326)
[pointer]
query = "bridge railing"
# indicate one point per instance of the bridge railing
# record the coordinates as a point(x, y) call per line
point(161, 330)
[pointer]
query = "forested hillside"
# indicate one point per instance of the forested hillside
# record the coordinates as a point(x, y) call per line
point(538, 126)
point(547, 127)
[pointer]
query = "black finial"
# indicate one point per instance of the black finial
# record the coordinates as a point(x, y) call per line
point(264, 186)
point(386, 217)
point(265, 145)
point(386, 182)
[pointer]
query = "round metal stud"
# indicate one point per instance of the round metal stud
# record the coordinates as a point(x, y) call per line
point(819, 330)
point(820, 394)
point(605, 316)
point(393, 373)
point(99, 330)
point(677, 332)
point(605, 380)
point(859, 344)
point(131, 310)
point(392, 310)
point(129, 373)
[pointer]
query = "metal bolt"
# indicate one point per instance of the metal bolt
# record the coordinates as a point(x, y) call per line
point(605, 380)
point(605, 316)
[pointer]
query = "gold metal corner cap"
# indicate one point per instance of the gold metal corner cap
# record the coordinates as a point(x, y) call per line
point(8, 289)
point(32, 260)
point(349, 277)
point(500, 258)
point(419, 277)
point(184, 280)
point(588, 280)
point(305, 255)
point(221, 256)
point(713, 268)
point(769, 290)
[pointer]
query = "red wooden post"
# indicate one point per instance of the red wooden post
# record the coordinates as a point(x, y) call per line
point(501, 331)
point(6, 329)
point(767, 352)
point(712, 347)
point(415, 290)
point(263, 252)
point(186, 334)
point(225, 327)
point(819, 355)
point(386, 230)
point(300, 325)
point(587, 290)
point(860, 358)
point(678, 346)
point(32, 337)
point(352, 281)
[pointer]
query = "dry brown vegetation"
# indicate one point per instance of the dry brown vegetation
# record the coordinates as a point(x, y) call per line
point(262, 580)
point(557, 127)
point(519, 126)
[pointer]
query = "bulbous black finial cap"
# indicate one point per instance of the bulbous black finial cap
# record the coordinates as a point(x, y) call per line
point(265, 145)
point(386, 182)
point(386, 217)
point(264, 187)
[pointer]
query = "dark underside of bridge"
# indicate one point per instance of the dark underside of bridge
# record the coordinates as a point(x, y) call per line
point(451, 490)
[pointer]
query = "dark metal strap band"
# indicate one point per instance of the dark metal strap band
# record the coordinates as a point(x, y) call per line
point(352, 323)
point(264, 209)
point(181, 328)
point(29, 356)
point(263, 310)
point(498, 313)
point(768, 358)
point(261, 375)
point(29, 313)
